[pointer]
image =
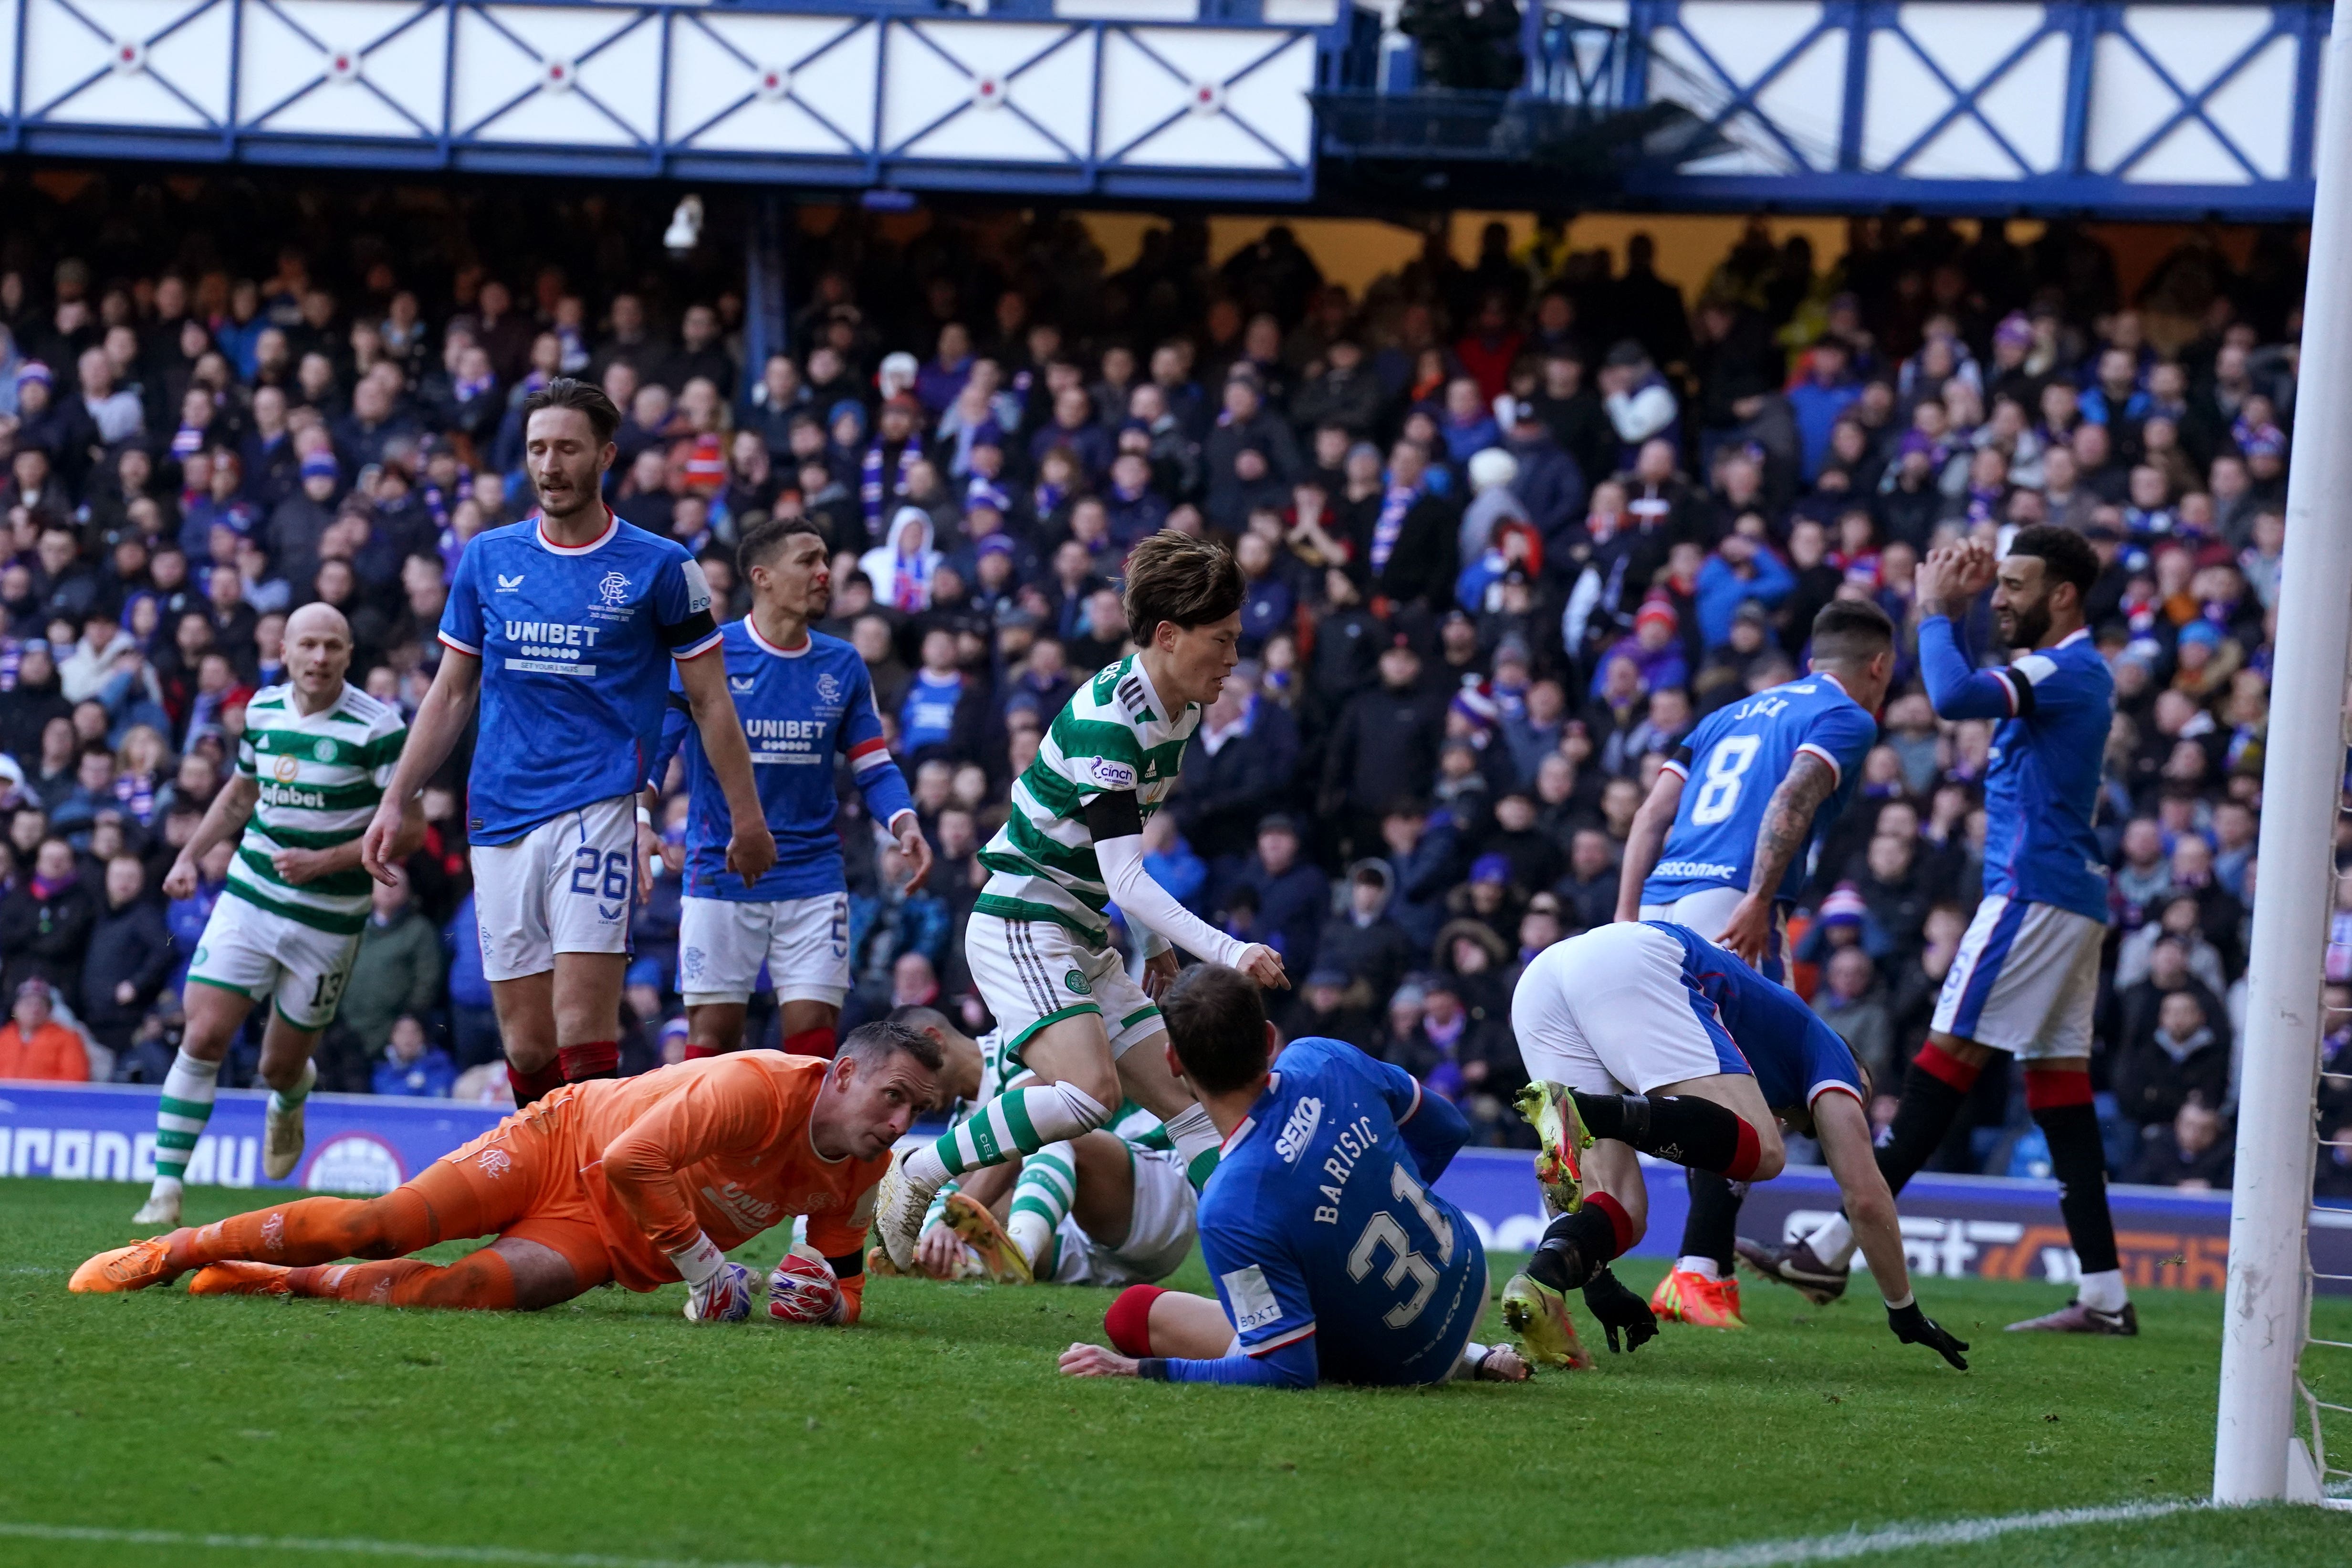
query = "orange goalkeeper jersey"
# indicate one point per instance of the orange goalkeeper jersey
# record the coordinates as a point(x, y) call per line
point(719, 1147)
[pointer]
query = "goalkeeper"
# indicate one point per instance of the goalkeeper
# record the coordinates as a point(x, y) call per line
point(635, 1182)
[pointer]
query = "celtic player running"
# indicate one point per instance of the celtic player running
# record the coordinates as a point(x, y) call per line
point(1038, 941)
point(311, 770)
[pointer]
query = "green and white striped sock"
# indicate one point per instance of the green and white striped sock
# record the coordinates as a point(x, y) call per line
point(938, 1212)
point(282, 1100)
point(180, 1118)
point(1018, 1122)
point(1048, 1184)
point(1196, 1141)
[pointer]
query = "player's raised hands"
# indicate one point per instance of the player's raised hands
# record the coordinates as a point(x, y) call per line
point(1263, 964)
point(1093, 1361)
point(1952, 575)
point(1914, 1327)
point(750, 849)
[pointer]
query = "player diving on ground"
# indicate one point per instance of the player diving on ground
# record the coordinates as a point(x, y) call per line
point(1111, 1206)
point(1647, 1037)
point(635, 1182)
point(1334, 1259)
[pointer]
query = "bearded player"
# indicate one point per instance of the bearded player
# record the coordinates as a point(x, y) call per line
point(803, 699)
point(562, 629)
point(636, 1182)
point(2026, 978)
point(1722, 846)
point(1111, 1208)
point(1038, 942)
point(1334, 1260)
point(311, 769)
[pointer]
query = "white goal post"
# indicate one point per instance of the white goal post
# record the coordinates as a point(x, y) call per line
point(2256, 1455)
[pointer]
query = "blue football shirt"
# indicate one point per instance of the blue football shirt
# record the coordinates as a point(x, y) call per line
point(1733, 762)
point(800, 708)
point(1794, 1056)
point(576, 643)
point(2054, 706)
point(1319, 1221)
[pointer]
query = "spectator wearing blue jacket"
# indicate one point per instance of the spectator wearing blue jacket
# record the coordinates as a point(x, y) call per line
point(473, 1022)
point(1469, 426)
point(1819, 400)
point(1292, 896)
point(412, 1064)
point(1741, 569)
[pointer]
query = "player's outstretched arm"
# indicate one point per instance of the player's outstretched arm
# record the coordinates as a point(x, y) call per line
point(1647, 840)
point(751, 849)
point(1787, 829)
point(440, 720)
point(231, 809)
point(1116, 824)
point(1844, 1131)
point(644, 1170)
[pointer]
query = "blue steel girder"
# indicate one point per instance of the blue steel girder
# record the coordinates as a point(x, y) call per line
point(481, 10)
point(1156, 127)
point(850, 27)
point(1886, 17)
point(1007, 106)
point(114, 41)
point(1648, 15)
point(361, 50)
point(2192, 104)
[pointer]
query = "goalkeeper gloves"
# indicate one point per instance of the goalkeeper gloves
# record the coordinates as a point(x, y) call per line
point(716, 1291)
point(1615, 1307)
point(1914, 1327)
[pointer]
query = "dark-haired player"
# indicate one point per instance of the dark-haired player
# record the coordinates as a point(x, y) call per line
point(803, 699)
point(1334, 1260)
point(1721, 846)
point(2027, 974)
point(562, 629)
point(1038, 941)
point(635, 1183)
point(1643, 1038)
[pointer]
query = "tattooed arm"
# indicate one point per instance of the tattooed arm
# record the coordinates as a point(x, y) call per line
point(1787, 825)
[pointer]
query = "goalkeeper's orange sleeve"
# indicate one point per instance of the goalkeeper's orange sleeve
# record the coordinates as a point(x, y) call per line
point(730, 1106)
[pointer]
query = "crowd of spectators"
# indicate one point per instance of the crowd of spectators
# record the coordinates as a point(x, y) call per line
point(1510, 526)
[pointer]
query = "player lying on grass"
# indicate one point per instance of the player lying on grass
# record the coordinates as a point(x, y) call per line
point(1110, 1207)
point(1038, 938)
point(1333, 1259)
point(635, 1182)
point(1646, 1037)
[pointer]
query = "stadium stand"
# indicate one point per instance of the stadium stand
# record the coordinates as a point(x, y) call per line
point(1511, 524)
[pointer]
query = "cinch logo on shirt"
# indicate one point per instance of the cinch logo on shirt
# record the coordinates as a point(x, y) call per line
point(1112, 776)
point(1305, 1117)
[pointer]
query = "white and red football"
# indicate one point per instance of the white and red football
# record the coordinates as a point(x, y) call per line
point(801, 1289)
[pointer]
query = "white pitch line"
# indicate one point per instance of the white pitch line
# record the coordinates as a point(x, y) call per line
point(1894, 1538)
point(509, 1556)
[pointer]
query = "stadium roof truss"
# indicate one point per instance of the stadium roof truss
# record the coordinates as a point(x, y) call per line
point(829, 93)
point(1847, 105)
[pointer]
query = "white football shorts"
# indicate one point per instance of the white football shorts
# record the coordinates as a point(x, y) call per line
point(804, 943)
point(1159, 1236)
point(569, 884)
point(1707, 910)
point(1034, 973)
point(270, 958)
point(1608, 1013)
point(2025, 981)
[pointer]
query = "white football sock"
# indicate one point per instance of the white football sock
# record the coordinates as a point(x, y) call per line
point(1196, 1140)
point(1833, 1242)
point(2103, 1292)
point(180, 1117)
point(282, 1100)
point(1705, 1267)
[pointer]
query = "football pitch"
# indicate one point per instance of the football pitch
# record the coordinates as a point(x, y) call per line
point(150, 1427)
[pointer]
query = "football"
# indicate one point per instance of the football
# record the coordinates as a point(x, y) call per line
point(801, 1289)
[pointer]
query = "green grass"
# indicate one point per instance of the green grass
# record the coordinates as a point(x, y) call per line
point(937, 1432)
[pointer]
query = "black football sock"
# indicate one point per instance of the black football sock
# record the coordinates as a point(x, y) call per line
point(1713, 1223)
point(1678, 1127)
point(1576, 1246)
point(2080, 1162)
point(1933, 1092)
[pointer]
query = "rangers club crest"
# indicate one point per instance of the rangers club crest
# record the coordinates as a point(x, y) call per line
point(828, 688)
point(614, 589)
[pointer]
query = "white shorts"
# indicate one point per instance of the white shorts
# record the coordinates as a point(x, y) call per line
point(1608, 1013)
point(1708, 911)
point(2025, 981)
point(267, 957)
point(570, 885)
point(804, 943)
point(1034, 973)
point(1159, 1236)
